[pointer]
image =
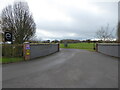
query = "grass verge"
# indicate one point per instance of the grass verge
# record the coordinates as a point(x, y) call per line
point(86, 46)
point(10, 60)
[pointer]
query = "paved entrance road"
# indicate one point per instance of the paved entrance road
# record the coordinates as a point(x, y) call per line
point(69, 68)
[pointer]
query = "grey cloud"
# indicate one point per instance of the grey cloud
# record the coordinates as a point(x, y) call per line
point(85, 23)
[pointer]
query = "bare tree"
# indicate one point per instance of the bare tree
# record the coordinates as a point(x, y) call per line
point(0, 31)
point(35, 39)
point(18, 20)
point(104, 33)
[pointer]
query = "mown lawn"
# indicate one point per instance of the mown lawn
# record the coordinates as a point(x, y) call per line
point(86, 46)
point(10, 60)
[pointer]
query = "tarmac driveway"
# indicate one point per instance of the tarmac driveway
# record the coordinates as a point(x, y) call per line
point(69, 68)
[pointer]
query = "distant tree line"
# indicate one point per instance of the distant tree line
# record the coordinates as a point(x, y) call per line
point(72, 41)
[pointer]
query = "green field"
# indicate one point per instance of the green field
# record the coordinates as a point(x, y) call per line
point(86, 46)
point(10, 60)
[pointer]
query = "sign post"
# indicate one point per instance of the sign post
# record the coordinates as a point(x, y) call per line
point(27, 51)
point(8, 37)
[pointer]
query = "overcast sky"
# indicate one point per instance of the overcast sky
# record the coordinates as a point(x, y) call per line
point(70, 19)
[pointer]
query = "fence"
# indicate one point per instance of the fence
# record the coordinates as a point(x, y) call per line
point(12, 50)
point(112, 49)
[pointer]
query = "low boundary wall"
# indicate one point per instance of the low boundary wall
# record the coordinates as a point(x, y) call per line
point(112, 49)
point(37, 50)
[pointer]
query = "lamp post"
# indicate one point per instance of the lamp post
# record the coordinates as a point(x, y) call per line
point(118, 30)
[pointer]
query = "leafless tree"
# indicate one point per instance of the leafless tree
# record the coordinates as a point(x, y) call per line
point(0, 26)
point(18, 20)
point(36, 38)
point(104, 33)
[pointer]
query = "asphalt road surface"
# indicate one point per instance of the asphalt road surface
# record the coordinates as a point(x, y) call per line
point(69, 68)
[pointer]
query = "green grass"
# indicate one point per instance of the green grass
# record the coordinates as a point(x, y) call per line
point(86, 46)
point(10, 60)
